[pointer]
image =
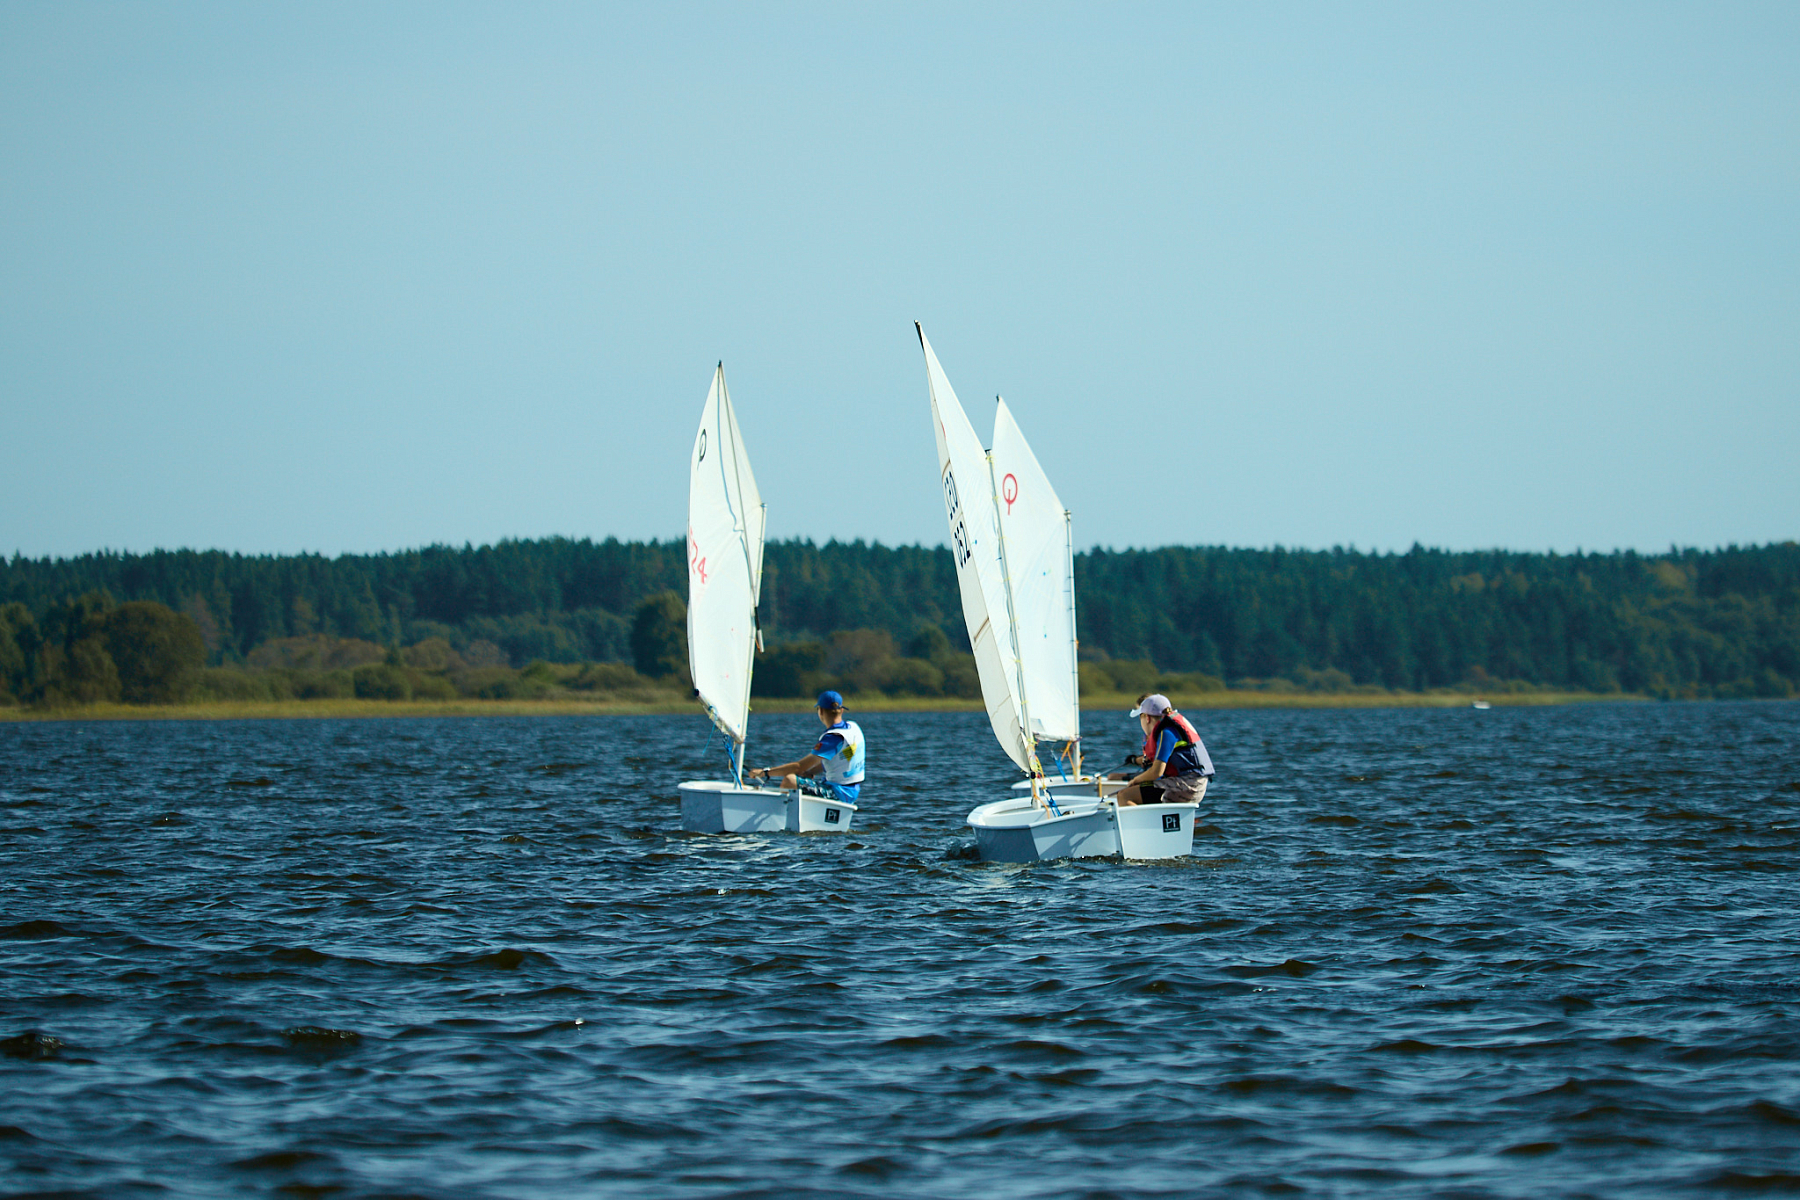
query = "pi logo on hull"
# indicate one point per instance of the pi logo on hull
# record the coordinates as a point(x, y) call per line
point(1171, 822)
point(831, 816)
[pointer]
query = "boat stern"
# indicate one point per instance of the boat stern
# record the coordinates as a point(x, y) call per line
point(1157, 830)
point(818, 814)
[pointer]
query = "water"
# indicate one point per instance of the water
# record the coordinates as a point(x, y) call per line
point(1416, 953)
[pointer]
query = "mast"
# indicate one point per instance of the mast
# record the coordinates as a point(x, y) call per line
point(755, 642)
point(752, 570)
point(1074, 642)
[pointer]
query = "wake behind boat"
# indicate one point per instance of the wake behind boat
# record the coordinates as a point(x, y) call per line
point(1009, 537)
point(726, 525)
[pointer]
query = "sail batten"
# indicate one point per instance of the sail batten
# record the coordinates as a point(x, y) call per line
point(726, 525)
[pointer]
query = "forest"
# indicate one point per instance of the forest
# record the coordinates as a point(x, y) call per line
point(488, 620)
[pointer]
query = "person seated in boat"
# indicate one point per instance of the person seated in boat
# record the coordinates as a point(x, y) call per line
point(1176, 765)
point(838, 757)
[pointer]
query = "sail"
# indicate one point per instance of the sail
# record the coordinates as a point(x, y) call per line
point(975, 546)
point(726, 523)
point(1040, 572)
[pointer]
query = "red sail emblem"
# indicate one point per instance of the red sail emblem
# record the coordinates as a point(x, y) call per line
point(1009, 491)
point(696, 563)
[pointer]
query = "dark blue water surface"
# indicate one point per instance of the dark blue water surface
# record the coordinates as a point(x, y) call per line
point(1521, 952)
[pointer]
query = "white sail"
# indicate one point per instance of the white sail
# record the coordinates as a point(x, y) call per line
point(726, 523)
point(1040, 574)
point(968, 489)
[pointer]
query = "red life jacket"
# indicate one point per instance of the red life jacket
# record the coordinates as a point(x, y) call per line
point(1190, 755)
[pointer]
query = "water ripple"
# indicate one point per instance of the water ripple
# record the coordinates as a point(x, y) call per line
point(1416, 953)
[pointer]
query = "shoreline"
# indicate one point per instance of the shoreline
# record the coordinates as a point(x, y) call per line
point(265, 710)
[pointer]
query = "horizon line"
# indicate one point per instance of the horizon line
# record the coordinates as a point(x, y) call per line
point(1673, 549)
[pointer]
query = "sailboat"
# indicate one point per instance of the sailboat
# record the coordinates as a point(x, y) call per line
point(727, 521)
point(1009, 537)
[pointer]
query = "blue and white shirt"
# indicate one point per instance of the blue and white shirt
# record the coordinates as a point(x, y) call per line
point(844, 751)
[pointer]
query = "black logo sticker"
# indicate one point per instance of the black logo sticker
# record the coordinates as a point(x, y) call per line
point(1171, 822)
point(959, 533)
point(831, 816)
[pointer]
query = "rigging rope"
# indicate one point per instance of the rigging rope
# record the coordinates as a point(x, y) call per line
point(730, 758)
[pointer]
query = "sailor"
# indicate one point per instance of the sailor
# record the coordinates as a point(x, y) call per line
point(838, 756)
point(1176, 765)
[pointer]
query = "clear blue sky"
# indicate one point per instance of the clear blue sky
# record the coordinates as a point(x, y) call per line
point(369, 276)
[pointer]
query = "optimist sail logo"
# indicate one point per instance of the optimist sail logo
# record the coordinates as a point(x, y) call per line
point(1009, 491)
point(696, 560)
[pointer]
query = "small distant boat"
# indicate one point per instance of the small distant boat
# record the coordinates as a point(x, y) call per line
point(1481, 704)
point(1014, 570)
point(726, 524)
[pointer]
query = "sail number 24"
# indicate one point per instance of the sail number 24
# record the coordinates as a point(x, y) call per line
point(959, 532)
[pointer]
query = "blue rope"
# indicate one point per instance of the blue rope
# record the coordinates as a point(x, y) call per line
point(730, 758)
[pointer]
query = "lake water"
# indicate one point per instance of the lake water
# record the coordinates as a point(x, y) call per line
point(1521, 952)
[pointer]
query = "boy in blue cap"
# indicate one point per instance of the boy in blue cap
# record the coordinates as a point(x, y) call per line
point(839, 756)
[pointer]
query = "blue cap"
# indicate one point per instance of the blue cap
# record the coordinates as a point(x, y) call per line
point(830, 700)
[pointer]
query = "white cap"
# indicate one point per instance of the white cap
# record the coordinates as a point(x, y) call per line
point(1154, 705)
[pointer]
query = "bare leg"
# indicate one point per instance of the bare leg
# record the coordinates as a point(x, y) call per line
point(789, 783)
point(1129, 796)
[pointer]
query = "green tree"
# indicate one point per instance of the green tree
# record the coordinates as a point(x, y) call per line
point(789, 670)
point(930, 643)
point(381, 681)
point(73, 664)
point(859, 659)
point(158, 652)
point(19, 643)
point(79, 673)
point(659, 636)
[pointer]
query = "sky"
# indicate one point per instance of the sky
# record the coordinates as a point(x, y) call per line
point(352, 278)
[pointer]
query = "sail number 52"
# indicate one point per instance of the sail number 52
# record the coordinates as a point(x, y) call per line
point(959, 533)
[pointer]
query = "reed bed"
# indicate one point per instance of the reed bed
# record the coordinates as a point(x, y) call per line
point(653, 704)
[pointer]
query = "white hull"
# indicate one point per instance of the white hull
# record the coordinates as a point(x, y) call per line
point(1157, 830)
point(815, 814)
point(1020, 830)
point(709, 806)
point(1075, 788)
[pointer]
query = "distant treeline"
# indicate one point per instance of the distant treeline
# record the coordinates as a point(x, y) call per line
point(1689, 623)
